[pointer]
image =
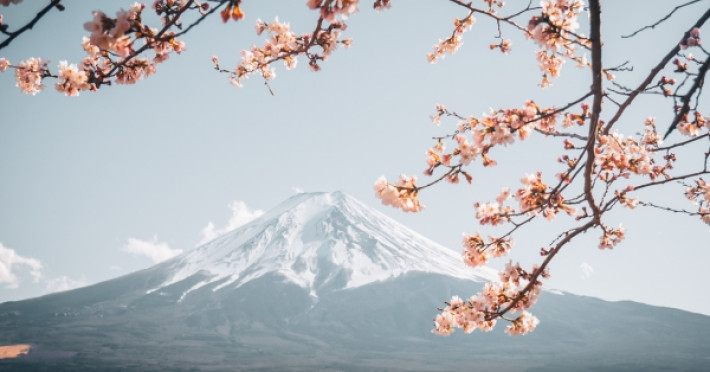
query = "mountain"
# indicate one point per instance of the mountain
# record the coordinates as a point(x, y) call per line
point(319, 242)
point(323, 282)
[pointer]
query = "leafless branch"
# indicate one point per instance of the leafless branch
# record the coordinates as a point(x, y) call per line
point(14, 34)
point(665, 18)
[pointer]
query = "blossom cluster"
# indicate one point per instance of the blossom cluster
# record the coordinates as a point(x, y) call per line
point(692, 39)
point(651, 139)
point(381, 4)
point(700, 194)
point(618, 156)
point(232, 11)
point(451, 44)
point(626, 200)
point(692, 128)
point(555, 31)
point(329, 10)
point(482, 310)
point(611, 237)
point(536, 196)
point(71, 80)
point(500, 128)
point(497, 128)
point(111, 51)
point(550, 64)
point(402, 195)
point(476, 252)
point(29, 75)
point(283, 44)
point(110, 34)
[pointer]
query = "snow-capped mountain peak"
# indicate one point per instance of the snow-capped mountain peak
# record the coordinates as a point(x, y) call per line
point(318, 241)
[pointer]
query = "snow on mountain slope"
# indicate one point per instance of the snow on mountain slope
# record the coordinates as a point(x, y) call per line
point(318, 241)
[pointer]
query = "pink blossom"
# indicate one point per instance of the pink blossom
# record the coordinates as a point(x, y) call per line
point(403, 195)
point(611, 237)
point(4, 64)
point(442, 324)
point(29, 74)
point(260, 26)
point(474, 253)
point(71, 80)
point(523, 324)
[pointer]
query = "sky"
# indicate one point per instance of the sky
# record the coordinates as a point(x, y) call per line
point(104, 184)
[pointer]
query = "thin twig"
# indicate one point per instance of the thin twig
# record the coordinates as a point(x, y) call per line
point(660, 20)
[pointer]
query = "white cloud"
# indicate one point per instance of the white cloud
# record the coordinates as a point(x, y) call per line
point(297, 190)
point(156, 251)
point(241, 215)
point(10, 260)
point(587, 270)
point(64, 283)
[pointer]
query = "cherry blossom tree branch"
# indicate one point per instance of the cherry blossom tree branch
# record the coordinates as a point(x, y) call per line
point(532, 282)
point(668, 209)
point(14, 34)
point(671, 179)
point(508, 19)
point(685, 99)
point(595, 22)
point(683, 143)
point(203, 16)
point(665, 18)
point(157, 38)
point(652, 74)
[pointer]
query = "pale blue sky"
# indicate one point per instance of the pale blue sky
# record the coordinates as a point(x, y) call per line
point(161, 159)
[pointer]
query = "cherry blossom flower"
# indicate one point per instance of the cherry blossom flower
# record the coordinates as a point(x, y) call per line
point(232, 11)
point(611, 237)
point(523, 324)
point(550, 64)
point(29, 74)
point(403, 195)
point(71, 80)
point(693, 39)
point(474, 253)
point(451, 44)
point(381, 4)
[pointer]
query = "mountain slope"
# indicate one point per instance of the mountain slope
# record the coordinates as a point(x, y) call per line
point(318, 241)
point(323, 282)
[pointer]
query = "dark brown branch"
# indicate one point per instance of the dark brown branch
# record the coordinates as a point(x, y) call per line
point(685, 108)
point(668, 16)
point(677, 178)
point(680, 144)
point(651, 76)
point(595, 25)
point(452, 170)
point(31, 24)
point(202, 17)
point(668, 209)
point(507, 20)
point(533, 277)
point(172, 22)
